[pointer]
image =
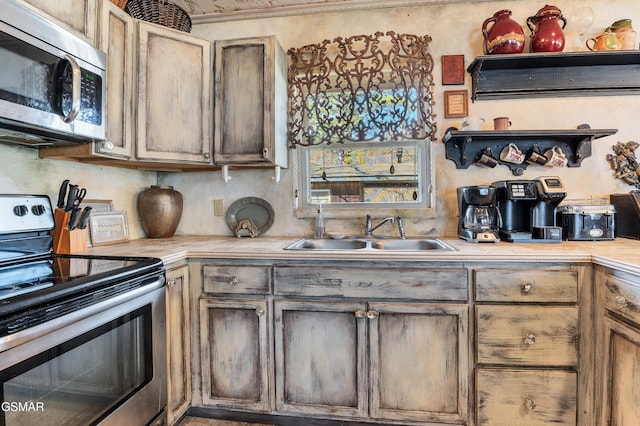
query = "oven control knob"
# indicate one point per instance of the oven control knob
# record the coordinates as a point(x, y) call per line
point(38, 210)
point(20, 210)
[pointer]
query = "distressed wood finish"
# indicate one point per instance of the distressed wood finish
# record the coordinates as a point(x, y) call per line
point(117, 31)
point(234, 353)
point(251, 100)
point(173, 90)
point(77, 15)
point(623, 298)
point(531, 335)
point(418, 362)
point(178, 343)
point(320, 355)
point(621, 398)
point(508, 285)
point(236, 279)
point(445, 284)
point(525, 398)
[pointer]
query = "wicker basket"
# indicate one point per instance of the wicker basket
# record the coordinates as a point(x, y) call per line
point(120, 3)
point(161, 12)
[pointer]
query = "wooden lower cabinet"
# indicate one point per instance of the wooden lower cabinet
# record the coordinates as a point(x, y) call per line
point(234, 353)
point(380, 360)
point(178, 344)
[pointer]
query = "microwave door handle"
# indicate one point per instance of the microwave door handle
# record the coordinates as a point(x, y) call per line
point(75, 93)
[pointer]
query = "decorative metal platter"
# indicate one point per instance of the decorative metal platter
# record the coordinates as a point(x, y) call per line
point(256, 210)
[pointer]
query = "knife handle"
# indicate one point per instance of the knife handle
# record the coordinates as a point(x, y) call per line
point(62, 194)
point(71, 198)
point(73, 219)
point(83, 220)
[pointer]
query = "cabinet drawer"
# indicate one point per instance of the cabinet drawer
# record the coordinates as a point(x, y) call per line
point(623, 298)
point(525, 397)
point(527, 335)
point(405, 283)
point(236, 279)
point(527, 285)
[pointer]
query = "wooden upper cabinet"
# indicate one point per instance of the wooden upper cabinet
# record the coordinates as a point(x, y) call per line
point(77, 15)
point(250, 102)
point(116, 39)
point(173, 96)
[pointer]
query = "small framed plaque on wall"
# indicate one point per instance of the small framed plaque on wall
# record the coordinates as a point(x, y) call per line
point(453, 69)
point(456, 104)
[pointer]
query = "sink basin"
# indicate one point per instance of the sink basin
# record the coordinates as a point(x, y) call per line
point(313, 244)
point(410, 245)
point(389, 244)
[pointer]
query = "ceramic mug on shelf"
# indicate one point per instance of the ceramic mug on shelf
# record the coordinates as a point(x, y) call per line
point(555, 157)
point(511, 154)
point(501, 123)
point(486, 159)
point(473, 123)
point(535, 157)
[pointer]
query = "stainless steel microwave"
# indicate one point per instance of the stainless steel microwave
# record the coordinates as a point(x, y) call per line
point(52, 83)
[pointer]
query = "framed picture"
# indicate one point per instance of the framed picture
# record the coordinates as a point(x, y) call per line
point(109, 228)
point(456, 104)
point(99, 206)
point(453, 69)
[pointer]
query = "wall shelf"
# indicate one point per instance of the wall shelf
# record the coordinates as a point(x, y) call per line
point(560, 74)
point(464, 147)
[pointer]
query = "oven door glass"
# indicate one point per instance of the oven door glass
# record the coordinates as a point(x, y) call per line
point(80, 381)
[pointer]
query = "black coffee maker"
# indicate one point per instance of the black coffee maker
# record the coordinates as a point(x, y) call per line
point(477, 223)
point(527, 209)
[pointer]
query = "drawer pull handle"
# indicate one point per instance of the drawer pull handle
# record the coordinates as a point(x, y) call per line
point(373, 314)
point(529, 339)
point(527, 288)
point(621, 302)
point(529, 403)
point(233, 281)
point(260, 312)
point(360, 313)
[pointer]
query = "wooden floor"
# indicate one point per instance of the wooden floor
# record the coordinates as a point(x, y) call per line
point(199, 421)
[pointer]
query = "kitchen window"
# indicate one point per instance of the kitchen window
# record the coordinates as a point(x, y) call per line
point(361, 122)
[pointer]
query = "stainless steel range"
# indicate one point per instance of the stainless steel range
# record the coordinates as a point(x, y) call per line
point(82, 338)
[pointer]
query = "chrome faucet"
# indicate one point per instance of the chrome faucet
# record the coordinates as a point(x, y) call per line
point(400, 228)
point(369, 228)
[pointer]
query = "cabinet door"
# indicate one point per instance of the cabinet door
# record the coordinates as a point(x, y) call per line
point(116, 40)
point(320, 354)
point(178, 344)
point(173, 96)
point(250, 111)
point(79, 15)
point(419, 361)
point(622, 374)
point(235, 353)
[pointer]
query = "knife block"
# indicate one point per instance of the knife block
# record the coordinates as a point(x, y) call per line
point(65, 241)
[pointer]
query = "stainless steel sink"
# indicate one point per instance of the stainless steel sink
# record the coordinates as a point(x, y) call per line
point(388, 244)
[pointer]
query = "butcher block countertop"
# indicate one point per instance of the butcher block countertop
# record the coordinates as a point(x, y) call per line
point(622, 254)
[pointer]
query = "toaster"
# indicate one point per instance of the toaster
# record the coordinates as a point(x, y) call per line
point(587, 222)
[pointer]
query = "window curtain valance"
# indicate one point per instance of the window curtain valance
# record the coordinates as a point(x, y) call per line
point(361, 88)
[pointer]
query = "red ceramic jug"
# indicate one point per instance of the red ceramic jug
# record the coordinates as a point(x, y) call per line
point(547, 36)
point(504, 35)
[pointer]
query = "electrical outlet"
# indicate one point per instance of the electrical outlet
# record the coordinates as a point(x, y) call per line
point(218, 207)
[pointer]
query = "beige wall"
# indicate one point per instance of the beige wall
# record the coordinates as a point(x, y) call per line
point(455, 29)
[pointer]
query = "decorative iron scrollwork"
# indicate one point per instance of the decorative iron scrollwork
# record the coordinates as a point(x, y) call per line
point(624, 162)
point(361, 88)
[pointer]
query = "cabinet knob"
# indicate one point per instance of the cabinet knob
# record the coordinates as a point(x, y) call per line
point(529, 403)
point(621, 302)
point(360, 313)
point(260, 312)
point(527, 288)
point(107, 145)
point(265, 153)
point(171, 283)
point(373, 314)
point(206, 155)
point(233, 280)
point(529, 339)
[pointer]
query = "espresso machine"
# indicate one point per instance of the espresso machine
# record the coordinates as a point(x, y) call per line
point(526, 209)
point(478, 214)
